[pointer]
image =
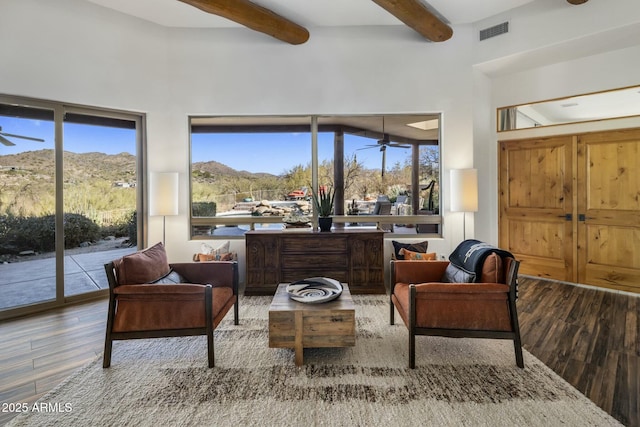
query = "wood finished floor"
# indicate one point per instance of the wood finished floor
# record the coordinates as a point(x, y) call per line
point(589, 337)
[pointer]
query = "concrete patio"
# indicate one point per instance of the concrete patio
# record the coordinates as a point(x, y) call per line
point(29, 282)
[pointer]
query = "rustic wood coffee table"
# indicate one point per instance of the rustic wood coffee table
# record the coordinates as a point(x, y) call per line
point(299, 325)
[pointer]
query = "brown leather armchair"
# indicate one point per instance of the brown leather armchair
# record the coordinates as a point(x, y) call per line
point(150, 298)
point(486, 309)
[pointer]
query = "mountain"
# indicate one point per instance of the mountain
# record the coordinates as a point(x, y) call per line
point(41, 163)
point(212, 169)
point(111, 167)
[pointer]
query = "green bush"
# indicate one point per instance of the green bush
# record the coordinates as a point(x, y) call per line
point(203, 209)
point(132, 227)
point(122, 228)
point(19, 234)
point(77, 229)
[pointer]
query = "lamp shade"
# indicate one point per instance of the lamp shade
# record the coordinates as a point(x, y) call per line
point(464, 190)
point(163, 193)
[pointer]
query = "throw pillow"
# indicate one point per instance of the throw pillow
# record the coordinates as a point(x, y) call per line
point(455, 274)
point(206, 248)
point(142, 267)
point(414, 247)
point(417, 256)
point(229, 256)
point(172, 278)
point(492, 271)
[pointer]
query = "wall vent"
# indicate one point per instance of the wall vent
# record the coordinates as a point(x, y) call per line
point(496, 30)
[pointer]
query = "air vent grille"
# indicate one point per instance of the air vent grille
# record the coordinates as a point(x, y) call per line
point(496, 30)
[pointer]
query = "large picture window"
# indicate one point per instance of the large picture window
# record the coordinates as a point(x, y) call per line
point(252, 172)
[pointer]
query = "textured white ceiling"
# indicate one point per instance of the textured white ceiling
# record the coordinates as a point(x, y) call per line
point(308, 13)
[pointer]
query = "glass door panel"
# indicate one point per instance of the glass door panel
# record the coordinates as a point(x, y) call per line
point(27, 206)
point(100, 196)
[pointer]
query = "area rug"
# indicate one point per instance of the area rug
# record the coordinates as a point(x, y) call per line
point(457, 382)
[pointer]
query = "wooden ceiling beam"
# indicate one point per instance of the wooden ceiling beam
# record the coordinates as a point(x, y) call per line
point(415, 15)
point(255, 17)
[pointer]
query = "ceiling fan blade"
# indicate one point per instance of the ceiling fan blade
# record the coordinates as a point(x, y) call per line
point(22, 137)
point(256, 17)
point(5, 141)
point(398, 146)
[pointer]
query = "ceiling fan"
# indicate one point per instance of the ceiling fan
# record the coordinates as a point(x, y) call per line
point(383, 144)
point(8, 143)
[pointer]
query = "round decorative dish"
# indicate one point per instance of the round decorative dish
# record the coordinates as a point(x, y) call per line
point(314, 290)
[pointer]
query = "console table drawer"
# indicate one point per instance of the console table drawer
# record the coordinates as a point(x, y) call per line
point(314, 260)
point(313, 243)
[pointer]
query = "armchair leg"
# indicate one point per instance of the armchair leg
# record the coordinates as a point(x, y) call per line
point(412, 350)
point(208, 310)
point(412, 326)
point(108, 341)
point(108, 344)
point(517, 343)
point(236, 317)
point(518, 348)
point(391, 313)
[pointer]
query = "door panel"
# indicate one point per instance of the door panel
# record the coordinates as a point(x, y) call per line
point(536, 205)
point(608, 230)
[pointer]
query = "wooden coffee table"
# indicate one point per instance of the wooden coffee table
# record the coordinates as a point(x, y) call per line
point(299, 325)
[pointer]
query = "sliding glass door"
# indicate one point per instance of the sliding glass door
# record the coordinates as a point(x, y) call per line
point(69, 197)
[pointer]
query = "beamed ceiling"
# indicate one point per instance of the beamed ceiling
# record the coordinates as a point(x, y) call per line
point(293, 21)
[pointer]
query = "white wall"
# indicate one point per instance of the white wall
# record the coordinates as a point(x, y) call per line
point(75, 51)
point(82, 53)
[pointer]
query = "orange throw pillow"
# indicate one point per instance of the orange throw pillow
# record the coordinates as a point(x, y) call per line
point(417, 256)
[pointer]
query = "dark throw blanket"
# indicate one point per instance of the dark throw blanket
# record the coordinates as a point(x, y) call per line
point(470, 255)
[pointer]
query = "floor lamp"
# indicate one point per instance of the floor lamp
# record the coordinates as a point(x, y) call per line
point(163, 196)
point(464, 193)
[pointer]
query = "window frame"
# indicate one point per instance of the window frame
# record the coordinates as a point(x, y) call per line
point(101, 115)
point(261, 123)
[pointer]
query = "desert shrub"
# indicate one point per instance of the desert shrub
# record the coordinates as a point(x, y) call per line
point(203, 208)
point(120, 229)
point(77, 229)
point(132, 227)
point(19, 234)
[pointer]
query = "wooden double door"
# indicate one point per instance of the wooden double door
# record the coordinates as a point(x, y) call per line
point(570, 207)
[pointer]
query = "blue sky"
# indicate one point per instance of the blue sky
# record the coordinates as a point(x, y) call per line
point(271, 153)
point(277, 153)
point(77, 138)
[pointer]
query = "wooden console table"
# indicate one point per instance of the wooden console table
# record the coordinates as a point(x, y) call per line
point(349, 256)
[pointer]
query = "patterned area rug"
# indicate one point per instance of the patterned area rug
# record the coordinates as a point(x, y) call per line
point(456, 382)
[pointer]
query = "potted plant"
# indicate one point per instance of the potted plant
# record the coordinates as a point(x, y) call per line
point(323, 202)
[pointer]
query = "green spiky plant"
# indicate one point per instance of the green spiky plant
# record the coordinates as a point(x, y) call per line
point(323, 201)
